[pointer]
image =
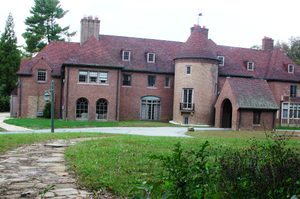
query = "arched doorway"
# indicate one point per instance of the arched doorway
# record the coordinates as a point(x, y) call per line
point(101, 109)
point(227, 114)
point(150, 108)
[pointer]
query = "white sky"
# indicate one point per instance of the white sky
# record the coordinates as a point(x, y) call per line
point(231, 22)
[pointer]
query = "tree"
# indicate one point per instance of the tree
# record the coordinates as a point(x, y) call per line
point(9, 58)
point(42, 27)
point(291, 48)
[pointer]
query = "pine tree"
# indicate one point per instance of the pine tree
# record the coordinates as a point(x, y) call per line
point(9, 58)
point(42, 26)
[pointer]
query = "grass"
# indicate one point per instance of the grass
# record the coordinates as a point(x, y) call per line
point(40, 123)
point(14, 140)
point(122, 163)
point(289, 127)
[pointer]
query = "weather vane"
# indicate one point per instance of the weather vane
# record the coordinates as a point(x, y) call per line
point(199, 15)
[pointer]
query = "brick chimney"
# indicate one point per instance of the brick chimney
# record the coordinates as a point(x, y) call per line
point(89, 27)
point(197, 28)
point(267, 43)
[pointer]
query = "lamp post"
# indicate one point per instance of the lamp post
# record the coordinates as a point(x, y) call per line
point(52, 106)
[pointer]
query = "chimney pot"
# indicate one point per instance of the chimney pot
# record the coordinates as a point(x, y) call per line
point(89, 28)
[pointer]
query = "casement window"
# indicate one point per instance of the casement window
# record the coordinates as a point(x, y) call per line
point(187, 98)
point(221, 60)
point(126, 55)
point(188, 69)
point(256, 117)
point(291, 68)
point(101, 109)
point(93, 76)
point(126, 80)
point(250, 66)
point(151, 80)
point(293, 91)
point(103, 77)
point(151, 57)
point(83, 76)
point(167, 82)
point(41, 75)
point(82, 107)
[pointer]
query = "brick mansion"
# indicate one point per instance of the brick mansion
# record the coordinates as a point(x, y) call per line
point(111, 78)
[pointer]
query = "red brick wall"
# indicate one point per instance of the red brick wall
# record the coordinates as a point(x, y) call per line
point(32, 92)
point(226, 94)
point(246, 123)
point(73, 90)
point(130, 99)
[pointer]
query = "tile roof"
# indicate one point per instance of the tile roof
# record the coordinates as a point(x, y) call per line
point(252, 93)
point(198, 45)
point(270, 65)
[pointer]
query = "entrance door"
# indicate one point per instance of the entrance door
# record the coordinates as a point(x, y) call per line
point(227, 114)
point(150, 108)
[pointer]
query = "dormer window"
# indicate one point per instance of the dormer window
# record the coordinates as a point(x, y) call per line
point(250, 66)
point(41, 75)
point(151, 57)
point(291, 68)
point(222, 60)
point(126, 55)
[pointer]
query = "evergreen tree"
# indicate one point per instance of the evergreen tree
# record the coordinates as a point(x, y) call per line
point(9, 58)
point(42, 26)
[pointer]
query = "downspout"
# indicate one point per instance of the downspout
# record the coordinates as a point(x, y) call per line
point(20, 98)
point(274, 117)
point(240, 118)
point(118, 96)
point(67, 93)
point(61, 97)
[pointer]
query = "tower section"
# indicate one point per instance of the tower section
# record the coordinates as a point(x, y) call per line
point(196, 77)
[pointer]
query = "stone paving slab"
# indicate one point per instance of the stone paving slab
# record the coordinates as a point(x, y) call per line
point(30, 169)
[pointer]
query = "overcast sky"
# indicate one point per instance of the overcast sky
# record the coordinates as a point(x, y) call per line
point(230, 22)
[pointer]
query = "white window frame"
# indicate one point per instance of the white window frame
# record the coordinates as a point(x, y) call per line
point(124, 57)
point(83, 72)
point(149, 56)
point(37, 75)
point(190, 99)
point(250, 66)
point(222, 60)
point(92, 74)
point(291, 66)
point(167, 79)
point(102, 78)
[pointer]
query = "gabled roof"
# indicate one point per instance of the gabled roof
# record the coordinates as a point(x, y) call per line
point(252, 93)
point(55, 53)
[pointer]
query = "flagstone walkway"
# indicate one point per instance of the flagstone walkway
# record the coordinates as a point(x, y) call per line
point(27, 171)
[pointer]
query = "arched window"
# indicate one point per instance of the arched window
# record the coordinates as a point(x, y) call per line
point(101, 109)
point(82, 108)
point(150, 108)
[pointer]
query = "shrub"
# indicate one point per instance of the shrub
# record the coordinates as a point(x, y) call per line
point(186, 172)
point(261, 171)
point(47, 110)
point(4, 103)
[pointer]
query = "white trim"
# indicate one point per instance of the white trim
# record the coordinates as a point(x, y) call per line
point(250, 66)
point(222, 63)
point(123, 55)
point(37, 75)
point(148, 58)
point(292, 67)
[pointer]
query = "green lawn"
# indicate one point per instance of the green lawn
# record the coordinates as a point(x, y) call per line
point(288, 127)
point(121, 163)
point(14, 140)
point(39, 123)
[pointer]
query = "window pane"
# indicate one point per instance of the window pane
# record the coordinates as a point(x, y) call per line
point(93, 77)
point(41, 75)
point(101, 109)
point(167, 81)
point(126, 80)
point(82, 108)
point(256, 117)
point(83, 76)
point(103, 77)
point(151, 80)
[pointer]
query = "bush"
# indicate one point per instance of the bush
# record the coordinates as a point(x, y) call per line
point(47, 110)
point(4, 103)
point(186, 172)
point(261, 171)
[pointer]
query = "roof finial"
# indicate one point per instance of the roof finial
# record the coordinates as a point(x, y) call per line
point(199, 15)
